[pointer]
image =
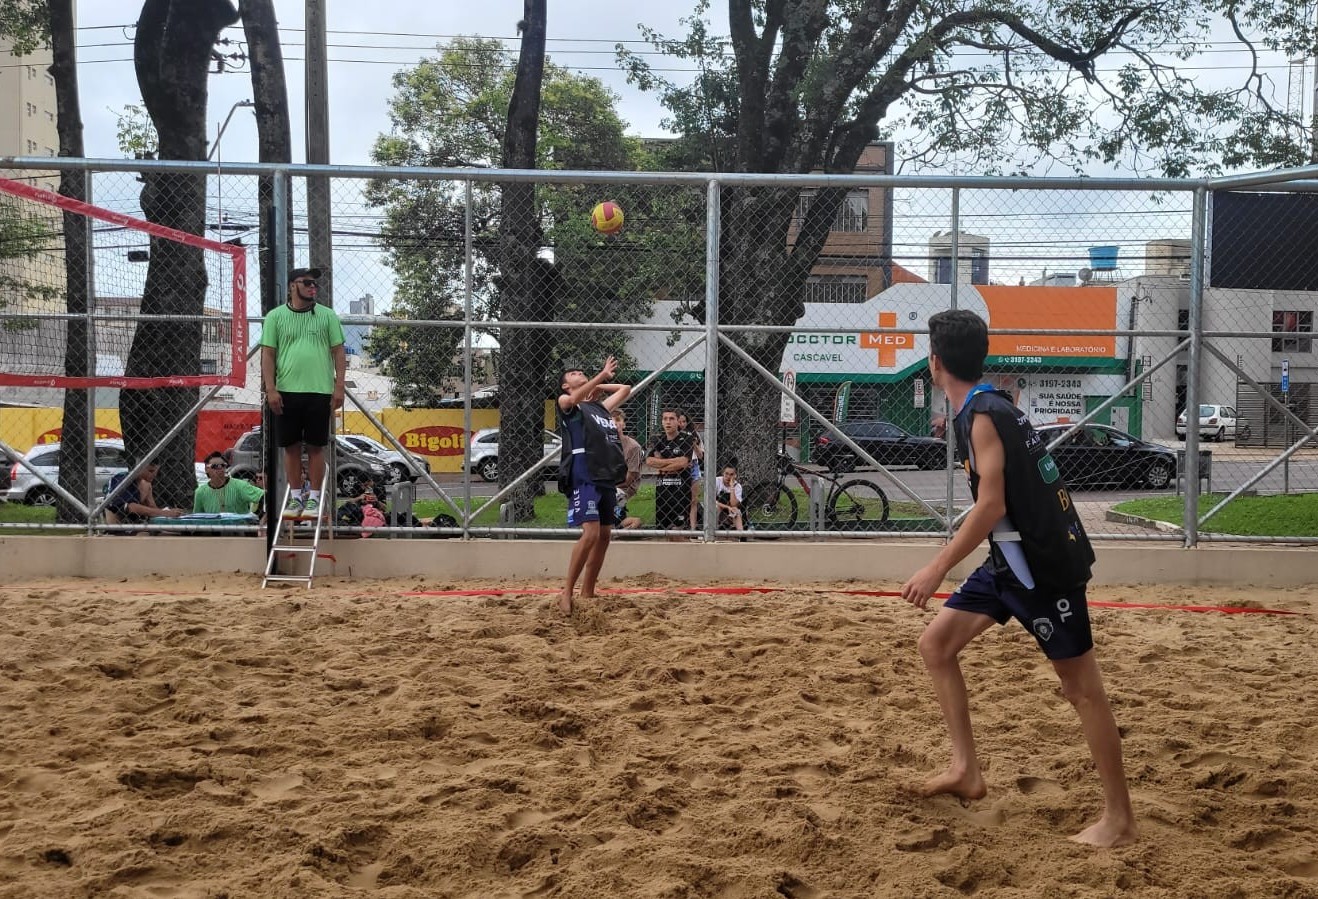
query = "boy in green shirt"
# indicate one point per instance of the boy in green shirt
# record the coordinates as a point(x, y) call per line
point(303, 364)
point(221, 493)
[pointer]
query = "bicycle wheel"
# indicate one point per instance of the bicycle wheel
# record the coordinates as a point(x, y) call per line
point(857, 506)
point(770, 507)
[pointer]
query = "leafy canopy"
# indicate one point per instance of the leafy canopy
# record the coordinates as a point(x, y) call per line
point(986, 85)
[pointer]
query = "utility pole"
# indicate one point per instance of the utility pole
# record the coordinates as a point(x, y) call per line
point(320, 246)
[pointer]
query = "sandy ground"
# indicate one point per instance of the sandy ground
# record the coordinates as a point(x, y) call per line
point(175, 738)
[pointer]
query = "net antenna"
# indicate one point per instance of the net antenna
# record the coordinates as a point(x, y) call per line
point(33, 312)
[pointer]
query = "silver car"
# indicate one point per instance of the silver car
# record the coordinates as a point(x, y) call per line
point(1216, 422)
point(402, 466)
point(485, 454)
point(25, 487)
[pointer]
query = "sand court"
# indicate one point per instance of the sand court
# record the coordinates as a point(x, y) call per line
point(199, 737)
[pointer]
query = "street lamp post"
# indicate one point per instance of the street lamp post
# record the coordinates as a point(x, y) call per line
point(215, 151)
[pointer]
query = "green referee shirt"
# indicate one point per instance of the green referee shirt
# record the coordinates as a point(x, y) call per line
point(235, 496)
point(302, 342)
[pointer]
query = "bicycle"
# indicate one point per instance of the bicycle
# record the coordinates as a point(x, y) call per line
point(856, 505)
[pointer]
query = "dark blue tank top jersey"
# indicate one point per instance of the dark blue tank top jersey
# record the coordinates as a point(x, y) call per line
point(1039, 555)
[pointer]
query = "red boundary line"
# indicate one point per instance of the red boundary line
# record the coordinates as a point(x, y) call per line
point(237, 377)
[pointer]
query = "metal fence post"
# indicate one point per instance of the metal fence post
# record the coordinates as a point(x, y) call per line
point(713, 226)
point(279, 239)
point(467, 290)
point(90, 275)
point(1198, 250)
point(949, 432)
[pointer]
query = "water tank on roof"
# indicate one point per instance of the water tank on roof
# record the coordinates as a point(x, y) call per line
point(1103, 259)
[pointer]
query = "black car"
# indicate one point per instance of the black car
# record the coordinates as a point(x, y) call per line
point(1099, 456)
point(887, 443)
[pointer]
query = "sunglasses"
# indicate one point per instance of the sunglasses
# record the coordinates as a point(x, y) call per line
point(308, 282)
point(219, 465)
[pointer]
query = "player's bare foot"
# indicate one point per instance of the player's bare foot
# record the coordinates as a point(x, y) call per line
point(564, 604)
point(969, 785)
point(1107, 834)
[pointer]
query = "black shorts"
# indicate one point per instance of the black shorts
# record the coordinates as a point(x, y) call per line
point(1058, 621)
point(305, 419)
point(672, 505)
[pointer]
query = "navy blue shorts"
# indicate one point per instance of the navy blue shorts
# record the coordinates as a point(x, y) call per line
point(592, 502)
point(1059, 623)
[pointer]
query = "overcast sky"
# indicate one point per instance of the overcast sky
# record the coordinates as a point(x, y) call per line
point(581, 35)
point(370, 41)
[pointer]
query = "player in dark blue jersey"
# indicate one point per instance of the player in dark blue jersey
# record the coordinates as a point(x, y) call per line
point(1037, 572)
point(590, 468)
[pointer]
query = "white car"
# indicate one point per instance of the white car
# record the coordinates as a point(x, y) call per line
point(401, 466)
point(1216, 422)
point(25, 487)
point(485, 454)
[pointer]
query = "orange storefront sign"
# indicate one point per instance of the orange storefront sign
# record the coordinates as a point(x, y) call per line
point(1051, 308)
point(886, 343)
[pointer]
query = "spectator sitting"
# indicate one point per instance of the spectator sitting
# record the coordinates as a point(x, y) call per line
point(729, 499)
point(221, 493)
point(135, 503)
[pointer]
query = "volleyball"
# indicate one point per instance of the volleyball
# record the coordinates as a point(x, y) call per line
point(607, 217)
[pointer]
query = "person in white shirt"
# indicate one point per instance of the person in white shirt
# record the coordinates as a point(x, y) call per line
point(729, 498)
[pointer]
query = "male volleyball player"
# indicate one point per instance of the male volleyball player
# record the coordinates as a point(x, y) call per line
point(591, 466)
point(303, 364)
point(1037, 571)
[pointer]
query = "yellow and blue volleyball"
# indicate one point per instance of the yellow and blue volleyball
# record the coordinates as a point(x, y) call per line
point(607, 217)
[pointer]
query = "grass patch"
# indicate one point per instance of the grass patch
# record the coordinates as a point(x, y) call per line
point(1284, 515)
point(18, 513)
point(551, 510)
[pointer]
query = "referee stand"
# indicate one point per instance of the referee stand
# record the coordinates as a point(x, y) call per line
point(291, 536)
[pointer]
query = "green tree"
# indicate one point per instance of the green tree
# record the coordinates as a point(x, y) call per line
point(135, 133)
point(997, 85)
point(452, 110)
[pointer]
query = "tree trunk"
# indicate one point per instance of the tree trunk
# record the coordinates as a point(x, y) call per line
point(171, 54)
point(75, 442)
point(270, 93)
point(527, 294)
point(275, 144)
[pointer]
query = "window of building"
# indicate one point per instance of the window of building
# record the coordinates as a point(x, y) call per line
point(31, 108)
point(50, 151)
point(1182, 319)
point(836, 289)
point(50, 79)
point(31, 72)
point(1287, 322)
point(32, 146)
point(50, 116)
point(209, 366)
point(979, 265)
point(852, 215)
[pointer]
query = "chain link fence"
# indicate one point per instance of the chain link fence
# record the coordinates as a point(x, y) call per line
point(779, 320)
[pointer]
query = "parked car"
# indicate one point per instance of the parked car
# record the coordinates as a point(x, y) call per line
point(111, 459)
point(351, 464)
point(885, 441)
point(483, 398)
point(1216, 422)
point(1099, 456)
point(485, 454)
point(402, 466)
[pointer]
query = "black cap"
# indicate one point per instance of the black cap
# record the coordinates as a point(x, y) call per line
point(301, 272)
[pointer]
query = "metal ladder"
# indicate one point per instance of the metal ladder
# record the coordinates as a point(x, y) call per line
point(287, 535)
